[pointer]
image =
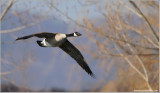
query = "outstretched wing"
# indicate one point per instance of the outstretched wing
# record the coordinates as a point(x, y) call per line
point(40, 35)
point(75, 53)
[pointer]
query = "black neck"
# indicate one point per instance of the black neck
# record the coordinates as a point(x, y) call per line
point(70, 35)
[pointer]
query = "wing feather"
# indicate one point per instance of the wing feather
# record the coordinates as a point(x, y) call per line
point(40, 35)
point(76, 54)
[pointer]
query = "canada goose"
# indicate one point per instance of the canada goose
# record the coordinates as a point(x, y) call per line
point(60, 40)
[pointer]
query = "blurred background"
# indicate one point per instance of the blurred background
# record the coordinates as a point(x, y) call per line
point(120, 42)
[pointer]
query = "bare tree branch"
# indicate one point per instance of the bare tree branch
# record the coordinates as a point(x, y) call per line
point(148, 23)
point(130, 63)
point(130, 8)
point(140, 61)
point(139, 32)
point(6, 10)
point(25, 26)
point(138, 58)
point(95, 30)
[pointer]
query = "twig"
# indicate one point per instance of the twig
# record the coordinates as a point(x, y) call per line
point(138, 58)
point(17, 28)
point(140, 61)
point(24, 26)
point(139, 32)
point(130, 9)
point(148, 23)
point(95, 30)
point(6, 10)
point(129, 62)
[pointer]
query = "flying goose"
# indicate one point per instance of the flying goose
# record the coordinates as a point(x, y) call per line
point(60, 40)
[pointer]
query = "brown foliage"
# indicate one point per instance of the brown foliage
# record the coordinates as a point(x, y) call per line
point(126, 38)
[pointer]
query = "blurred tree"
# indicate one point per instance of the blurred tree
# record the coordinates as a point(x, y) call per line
point(125, 37)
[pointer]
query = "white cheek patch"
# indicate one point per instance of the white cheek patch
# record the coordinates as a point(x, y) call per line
point(59, 37)
point(75, 34)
